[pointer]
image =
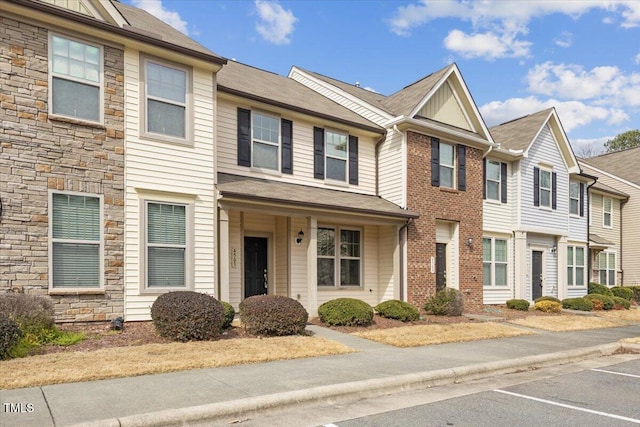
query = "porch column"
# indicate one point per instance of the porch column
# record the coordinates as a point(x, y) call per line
point(312, 266)
point(223, 252)
point(521, 270)
point(561, 252)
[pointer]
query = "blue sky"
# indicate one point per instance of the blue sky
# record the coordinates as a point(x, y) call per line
point(517, 57)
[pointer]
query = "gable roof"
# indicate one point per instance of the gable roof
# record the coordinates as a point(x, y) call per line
point(624, 164)
point(407, 99)
point(274, 89)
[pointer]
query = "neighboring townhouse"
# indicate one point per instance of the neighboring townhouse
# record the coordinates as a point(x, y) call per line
point(79, 78)
point(615, 216)
point(299, 213)
point(429, 162)
point(535, 213)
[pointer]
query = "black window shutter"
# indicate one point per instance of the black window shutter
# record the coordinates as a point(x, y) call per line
point(484, 178)
point(244, 137)
point(353, 160)
point(435, 162)
point(318, 153)
point(581, 199)
point(554, 193)
point(462, 168)
point(287, 145)
point(536, 186)
point(503, 182)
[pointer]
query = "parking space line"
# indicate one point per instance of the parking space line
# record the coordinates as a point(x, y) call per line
point(563, 405)
point(616, 373)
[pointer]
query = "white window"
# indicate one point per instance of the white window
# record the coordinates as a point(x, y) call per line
point(545, 188)
point(493, 180)
point(337, 149)
point(447, 165)
point(75, 71)
point(607, 268)
point(575, 265)
point(266, 141)
point(76, 241)
point(574, 198)
point(166, 245)
point(606, 212)
point(339, 257)
point(166, 100)
point(494, 256)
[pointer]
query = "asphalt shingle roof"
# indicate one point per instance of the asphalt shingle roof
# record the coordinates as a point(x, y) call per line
point(517, 134)
point(624, 163)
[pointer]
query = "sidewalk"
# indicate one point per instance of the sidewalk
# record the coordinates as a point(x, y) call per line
point(176, 398)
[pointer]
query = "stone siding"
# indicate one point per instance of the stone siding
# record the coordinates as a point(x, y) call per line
point(39, 153)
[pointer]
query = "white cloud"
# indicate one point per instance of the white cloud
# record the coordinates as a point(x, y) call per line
point(638, 58)
point(488, 45)
point(276, 24)
point(565, 40)
point(156, 8)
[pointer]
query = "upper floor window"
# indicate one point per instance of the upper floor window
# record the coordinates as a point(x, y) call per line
point(445, 160)
point(544, 188)
point(76, 79)
point(607, 268)
point(335, 156)
point(495, 180)
point(265, 141)
point(607, 220)
point(339, 257)
point(76, 241)
point(574, 198)
point(166, 100)
point(494, 256)
point(575, 265)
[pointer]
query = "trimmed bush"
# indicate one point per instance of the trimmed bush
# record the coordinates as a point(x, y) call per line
point(597, 288)
point(636, 293)
point(32, 313)
point(621, 303)
point(548, 298)
point(580, 304)
point(187, 315)
point(518, 304)
point(622, 292)
point(10, 335)
point(273, 315)
point(346, 312)
point(607, 301)
point(229, 314)
point(399, 310)
point(548, 306)
point(448, 302)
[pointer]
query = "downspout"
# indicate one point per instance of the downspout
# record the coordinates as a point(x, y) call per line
point(621, 245)
point(589, 270)
point(401, 241)
point(382, 139)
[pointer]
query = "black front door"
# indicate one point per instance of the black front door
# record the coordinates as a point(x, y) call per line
point(255, 266)
point(441, 266)
point(536, 274)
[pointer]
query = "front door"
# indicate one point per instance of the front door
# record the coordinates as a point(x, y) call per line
point(255, 266)
point(536, 274)
point(441, 266)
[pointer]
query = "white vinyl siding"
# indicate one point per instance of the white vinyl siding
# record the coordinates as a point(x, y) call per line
point(75, 74)
point(391, 163)
point(498, 217)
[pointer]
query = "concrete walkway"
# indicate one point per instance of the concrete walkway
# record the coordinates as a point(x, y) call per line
point(219, 394)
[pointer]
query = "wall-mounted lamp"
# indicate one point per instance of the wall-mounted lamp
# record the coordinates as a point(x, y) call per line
point(554, 248)
point(469, 242)
point(300, 237)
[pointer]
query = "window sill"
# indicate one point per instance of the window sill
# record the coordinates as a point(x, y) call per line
point(69, 291)
point(160, 291)
point(81, 122)
point(494, 202)
point(498, 288)
point(335, 183)
point(575, 216)
point(264, 171)
point(341, 288)
point(156, 137)
point(449, 190)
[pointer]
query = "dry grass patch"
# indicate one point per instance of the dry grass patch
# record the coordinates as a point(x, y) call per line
point(565, 323)
point(419, 335)
point(626, 315)
point(120, 362)
point(635, 340)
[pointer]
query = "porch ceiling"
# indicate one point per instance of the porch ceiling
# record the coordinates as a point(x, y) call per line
point(236, 187)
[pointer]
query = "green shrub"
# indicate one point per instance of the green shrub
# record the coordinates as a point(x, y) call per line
point(548, 306)
point(273, 315)
point(32, 313)
point(597, 288)
point(622, 292)
point(447, 302)
point(607, 301)
point(620, 303)
point(636, 293)
point(10, 335)
point(346, 312)
point(548, 298)
point(187, 315)
point(518, 304)
point(229, 314)
point(399, 310)
point(581, 304)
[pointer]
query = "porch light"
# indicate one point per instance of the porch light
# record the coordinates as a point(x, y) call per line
point(554, 248)
point(469, 242)
point(299, 238)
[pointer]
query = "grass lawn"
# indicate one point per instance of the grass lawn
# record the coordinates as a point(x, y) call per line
point(570, 322)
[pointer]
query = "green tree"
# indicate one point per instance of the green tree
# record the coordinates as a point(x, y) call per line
point(628, 139)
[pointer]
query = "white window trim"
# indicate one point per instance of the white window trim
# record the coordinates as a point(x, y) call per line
point(577, 214)
point(327, 156)
point(573, 266)
point(493, 263)
point(278, 169)
point(75, 290)
point(337, 258)
point(604, 212)
point(73, 79)
point(550, 189)
point(454, 183)
point(499, 181)
point(189, 243)
point(188, 104)
point(608, 268)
